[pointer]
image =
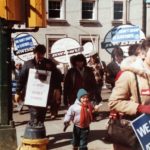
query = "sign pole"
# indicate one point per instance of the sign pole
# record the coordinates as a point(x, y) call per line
point(7, 129)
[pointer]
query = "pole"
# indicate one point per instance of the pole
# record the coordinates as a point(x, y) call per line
point(144, 16)
point(7, 129)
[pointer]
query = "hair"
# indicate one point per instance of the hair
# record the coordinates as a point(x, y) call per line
point(81, 57)
point(145, 44)
point(134, 49)
point(96, 58)
point(117, 51)
point(40, 49)
point(73, 60)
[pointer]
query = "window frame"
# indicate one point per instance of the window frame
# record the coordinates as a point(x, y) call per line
point(95, 10)
point(118, 2)
point(125, 17)
point(52, 37)
point(62, 10)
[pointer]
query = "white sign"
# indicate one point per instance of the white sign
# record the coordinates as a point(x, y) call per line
point(64, 48)
point(37, 89)
point(24, 44)
point(122, 36)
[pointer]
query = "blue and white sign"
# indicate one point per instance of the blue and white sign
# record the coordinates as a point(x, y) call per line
point(141, 126)
point(122, 36)
point(131, 33)
point(24, 44)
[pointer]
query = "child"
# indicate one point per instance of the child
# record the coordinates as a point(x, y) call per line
point(81, 115)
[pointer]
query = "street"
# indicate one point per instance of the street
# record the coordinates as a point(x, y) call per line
point(59, 140)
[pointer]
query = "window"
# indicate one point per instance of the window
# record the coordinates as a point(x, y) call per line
point(89, 9)
point(121, 11)
point(94, 39)
point(50, 40)
point(118, 10)
point(56, 9)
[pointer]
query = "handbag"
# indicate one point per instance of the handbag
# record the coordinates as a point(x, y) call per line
point(119, 130)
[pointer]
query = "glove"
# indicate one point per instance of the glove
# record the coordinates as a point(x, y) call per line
point(144, 109)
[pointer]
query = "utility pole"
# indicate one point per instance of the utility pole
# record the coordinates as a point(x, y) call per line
point(7, 130)
point(12, 12)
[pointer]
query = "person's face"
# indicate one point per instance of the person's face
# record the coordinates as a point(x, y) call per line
point(142, 55)
point(84, 99)
point(18, 66)
point(38, 56)
point(92, 60)
point(147, 58)
point(79, 64)
point(118, 59)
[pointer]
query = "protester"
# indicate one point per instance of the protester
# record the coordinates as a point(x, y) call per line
point(15, 78)
point(134, 60)
point(114, 66)
point(37, 114)
point(81, 115)
point(124, 98)
point(98, 68)
point(78, 76)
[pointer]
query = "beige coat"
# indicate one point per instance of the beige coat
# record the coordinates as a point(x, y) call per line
point(124, 96)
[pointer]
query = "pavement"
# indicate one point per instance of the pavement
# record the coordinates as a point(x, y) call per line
point(59, 140)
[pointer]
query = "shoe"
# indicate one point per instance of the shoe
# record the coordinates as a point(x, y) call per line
point(53, 117)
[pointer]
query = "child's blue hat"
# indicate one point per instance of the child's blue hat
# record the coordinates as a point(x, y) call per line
point(81, 92)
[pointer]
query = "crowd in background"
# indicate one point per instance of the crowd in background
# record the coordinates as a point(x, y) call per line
point(87, 78)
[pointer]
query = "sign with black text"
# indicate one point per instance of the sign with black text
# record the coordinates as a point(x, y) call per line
point(37, 88)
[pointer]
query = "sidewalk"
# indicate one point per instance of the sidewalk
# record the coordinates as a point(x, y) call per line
point(59, 140)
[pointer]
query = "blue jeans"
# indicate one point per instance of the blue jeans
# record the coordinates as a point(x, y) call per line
point(80, 137)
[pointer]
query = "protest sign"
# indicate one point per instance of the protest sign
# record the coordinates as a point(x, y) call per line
point(37, 89)
point(141, 127)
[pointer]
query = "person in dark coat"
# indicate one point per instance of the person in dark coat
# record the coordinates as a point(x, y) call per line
point(114, 66)
point(41, 63)
point(79, 76)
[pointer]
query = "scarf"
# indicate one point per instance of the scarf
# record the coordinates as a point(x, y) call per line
point(86, 115)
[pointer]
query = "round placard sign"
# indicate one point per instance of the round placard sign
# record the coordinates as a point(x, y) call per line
point(24, 44)
point(64, 48)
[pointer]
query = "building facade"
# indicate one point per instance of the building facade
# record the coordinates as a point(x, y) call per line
point(90, 20)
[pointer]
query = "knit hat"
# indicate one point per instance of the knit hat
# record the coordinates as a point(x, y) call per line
point(81, 93)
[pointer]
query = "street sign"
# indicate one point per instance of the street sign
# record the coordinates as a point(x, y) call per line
point(141, 127)
point(24, 44)
point(122, 36)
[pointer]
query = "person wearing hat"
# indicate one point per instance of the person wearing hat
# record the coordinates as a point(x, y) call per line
point(41, 63)
point(81, 114)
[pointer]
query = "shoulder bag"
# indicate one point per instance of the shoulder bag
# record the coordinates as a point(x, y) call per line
point(119, 130)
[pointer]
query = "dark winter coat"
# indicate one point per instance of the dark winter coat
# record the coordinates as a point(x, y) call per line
point(45, 64)
point(74, 81)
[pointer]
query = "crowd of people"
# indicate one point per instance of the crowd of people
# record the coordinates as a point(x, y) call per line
point(82, 86)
